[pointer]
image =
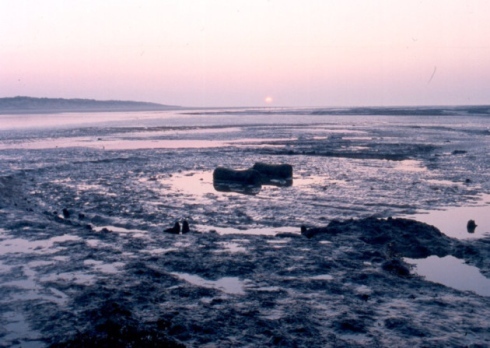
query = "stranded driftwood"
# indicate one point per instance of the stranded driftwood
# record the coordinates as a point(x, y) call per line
point(249, 181)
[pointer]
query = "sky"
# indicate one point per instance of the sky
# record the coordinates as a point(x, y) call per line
point(205, 53)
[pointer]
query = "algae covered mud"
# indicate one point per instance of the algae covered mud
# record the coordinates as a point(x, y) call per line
point(85, 199)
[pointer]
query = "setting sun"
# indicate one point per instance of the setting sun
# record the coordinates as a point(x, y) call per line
point(268, 100)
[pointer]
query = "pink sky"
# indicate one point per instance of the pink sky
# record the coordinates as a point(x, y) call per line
point(238, 53)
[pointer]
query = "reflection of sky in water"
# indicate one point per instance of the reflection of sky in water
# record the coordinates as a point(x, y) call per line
point(453, 273)
point(151, 130)
point(232, 247)
point(113, 144)
point(229, 285)
point(127, 142)
point(410, 166)
point(453, 220)
point(121, 230)
point(201, 183)
point(269, 231)
point(19, 331)
point(44, 246)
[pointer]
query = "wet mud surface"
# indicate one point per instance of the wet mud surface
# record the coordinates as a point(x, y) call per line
point(84, 259)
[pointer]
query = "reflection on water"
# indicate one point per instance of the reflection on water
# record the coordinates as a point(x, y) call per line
point(229, 285)
point(191, 183)
point(121, 230)
point(45, 246)
point(410, 166)
point(113, 144)
point(454, 221)
point(453, 273)
point(232, 247)
point(18, 332)
point(201, 184)
point(237, 188)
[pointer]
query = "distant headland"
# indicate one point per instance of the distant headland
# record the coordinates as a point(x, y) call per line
point(22, 105)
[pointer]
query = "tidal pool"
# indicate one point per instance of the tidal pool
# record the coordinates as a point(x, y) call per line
point(452, 272)
point(453, 221)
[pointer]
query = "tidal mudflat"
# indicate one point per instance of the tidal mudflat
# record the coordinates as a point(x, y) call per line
point(84, 259)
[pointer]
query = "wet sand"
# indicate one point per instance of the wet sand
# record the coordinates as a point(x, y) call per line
point(244, 276)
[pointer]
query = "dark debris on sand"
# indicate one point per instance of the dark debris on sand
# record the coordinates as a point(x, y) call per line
point(346, 285)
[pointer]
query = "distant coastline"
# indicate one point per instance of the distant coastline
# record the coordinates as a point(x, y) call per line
point(456, 110)
point(31, 105)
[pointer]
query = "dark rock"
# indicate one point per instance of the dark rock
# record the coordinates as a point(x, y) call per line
point(370, 255)
point(163, 324)
point(175, 229)
point(332, 229)
point(465, 251)
point(185, 227)
point(364, 297)
point(404, 326)
point(396, 267)
point(244, 177)
point(66, 213)
point(239, 181)
point(401, 237)
point(351, 324)
point(310, 233)
point(225, 179)
point(377, 259)
point(471, 226)
point(113, 325)
point(177, 329)
point(275, 174)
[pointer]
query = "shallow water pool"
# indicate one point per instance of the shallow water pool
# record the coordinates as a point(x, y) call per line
point(453, 221)
point(452, 272)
